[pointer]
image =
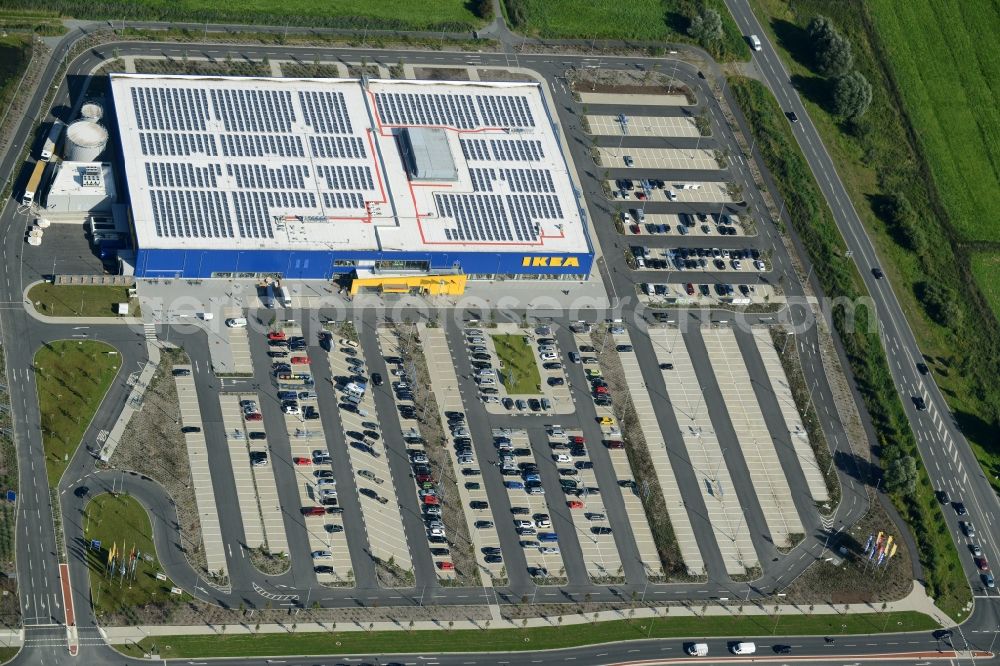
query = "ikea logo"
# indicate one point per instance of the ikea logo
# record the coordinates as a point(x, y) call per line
point(551, 262)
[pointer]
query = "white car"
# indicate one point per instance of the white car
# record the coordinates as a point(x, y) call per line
point(491, 400)
point(760, 265)
point(549, 356)
point(328, 492)
point(326, 483)
point(744, 647)
point(549, 550)
point(561, 457)
point(420, 458)
point(543, 521)
point(344, 342)
point(237, 322)
point(321, 555)
point(523, 523)
point(291, 409)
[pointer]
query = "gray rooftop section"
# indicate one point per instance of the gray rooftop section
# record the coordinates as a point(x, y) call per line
point(428, 154)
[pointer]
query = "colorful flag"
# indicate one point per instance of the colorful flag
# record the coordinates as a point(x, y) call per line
point(888, 542)
point(868, 544)
point(881, 558)
point(893, 553)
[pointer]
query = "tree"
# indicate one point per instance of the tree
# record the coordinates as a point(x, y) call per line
point(939, 301)
point(706, 27)
point(834, 57)
point(852, 95)
point(902, 475)
point(906, 225)
point(820, 29)
point(484, 9)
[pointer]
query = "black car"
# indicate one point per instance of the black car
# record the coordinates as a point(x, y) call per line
point(483, 524)
point(377, 379)
point(520, 510)
point(440, 551)
point(556, 381)
point(877, 272)
point(782, 649)
point(493, 559)
point(792, 117)
point(334, 509)
point(470, 471)
point(583, 464)
point(310, 412)
point(190, 429)
point(922, 368)
point(943, 497)
point(323, 569)
point(534, 404)
point(181, 372)
point(272, 354)
point(479, 505)
point(960, 508)
point(490, 550)
point(600, 529)
point(919, 403)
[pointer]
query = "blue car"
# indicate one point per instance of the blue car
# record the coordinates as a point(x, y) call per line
point(532, 478)
point(548, 536)
point(514, 485)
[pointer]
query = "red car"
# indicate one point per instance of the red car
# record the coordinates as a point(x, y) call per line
point(574, 504)
point(576, 439)
point(425, 478)
point(253, 416)
point(635, 228)
point(690, 289)
point(983, 564)
point(302, 461)
point(313, 511)
point(300, 359)
point(640, 195)
point(614, 444)
point(431, 500)
point(601, 389)
point(277, 335)
point(446, 566)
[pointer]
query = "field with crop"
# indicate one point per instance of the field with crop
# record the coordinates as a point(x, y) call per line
point(451, 15)
point(645, 20)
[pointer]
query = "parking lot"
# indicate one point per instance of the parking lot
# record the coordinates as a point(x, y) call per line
point(658, 158)
point(362, 430)
point(679, 192)
point(707, 294)
point(645, 126)
point(766, 471)
point(747, 260)
point(706, 455)
point(315, 478)
point(637, 222)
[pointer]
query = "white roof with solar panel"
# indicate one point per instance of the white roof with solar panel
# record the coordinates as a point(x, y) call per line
point(260, 163)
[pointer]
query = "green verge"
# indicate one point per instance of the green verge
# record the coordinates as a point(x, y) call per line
point(897, 147)
point(72, 300)
point(646, 20)
point(15, 54)
point(8, 653)
point(432, 15)
point(519, 640)
point(124, 521)
point(72, 378)
point(837, 274)
point(986, 269)
point(520, 371)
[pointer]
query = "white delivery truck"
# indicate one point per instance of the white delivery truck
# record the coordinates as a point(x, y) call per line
point(285, 296)
point(697, 649)
point(52, 141)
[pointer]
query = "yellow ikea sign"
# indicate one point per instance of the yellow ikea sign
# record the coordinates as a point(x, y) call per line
point(551, 262)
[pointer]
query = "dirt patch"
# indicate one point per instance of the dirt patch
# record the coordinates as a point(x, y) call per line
point(158, 421)
point(390, 574)
point(640, 461)
point(268, 563)
point(855, 579)
point(227, 67)
point(315, 70)
point(629, 82)
point(503, 75)
point(441, 73)
point(357, 71)
point(429, 423)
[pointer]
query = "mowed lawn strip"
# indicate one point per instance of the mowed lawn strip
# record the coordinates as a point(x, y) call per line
point(71, 300)
point(519, 640)
point(72, 378)
point(520, 370)
point(451, 15)
point(123, 521)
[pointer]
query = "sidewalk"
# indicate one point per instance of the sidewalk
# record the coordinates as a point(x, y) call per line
point(916, 601)
point(134, 402)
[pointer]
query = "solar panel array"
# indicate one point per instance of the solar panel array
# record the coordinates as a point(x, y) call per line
point(162, 144)
point(325, 111)
point(454, 110)
point(338, 147)
point(261, 145)
point(191, 214)
point(482, 179)
point(181, 174)
point(494, 218)
point(172, 109)
point(249, 110)
point(502, 150)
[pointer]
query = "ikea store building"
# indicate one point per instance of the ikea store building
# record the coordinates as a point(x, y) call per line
point(404, 185)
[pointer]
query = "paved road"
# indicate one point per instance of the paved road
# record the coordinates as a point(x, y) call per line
point(945, 451)
point(18, 327)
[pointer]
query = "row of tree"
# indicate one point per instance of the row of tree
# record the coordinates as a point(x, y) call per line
point(852, 94)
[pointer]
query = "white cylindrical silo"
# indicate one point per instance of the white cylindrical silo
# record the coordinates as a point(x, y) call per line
point(85, 141)
point(92, 111)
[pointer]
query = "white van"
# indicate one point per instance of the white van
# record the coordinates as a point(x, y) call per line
point(236, 322)
point(755, 42)
point(698, 649)
point(744, 648)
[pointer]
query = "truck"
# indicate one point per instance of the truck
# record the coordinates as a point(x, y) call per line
point(52, 142)
point(285, 296)
point(34, 184)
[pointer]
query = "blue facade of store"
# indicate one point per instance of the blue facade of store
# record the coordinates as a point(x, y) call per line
point(324, 264)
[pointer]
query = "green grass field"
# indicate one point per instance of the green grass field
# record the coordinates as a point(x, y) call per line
point(123, 520)
point(70, 300)
point(645, 20)
point(8, 653)
point(15, 54)
point(518, 640)
point(520, 370)
point(72, 378)
point(950, 82)
point(451, 15)
point(986, 269)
